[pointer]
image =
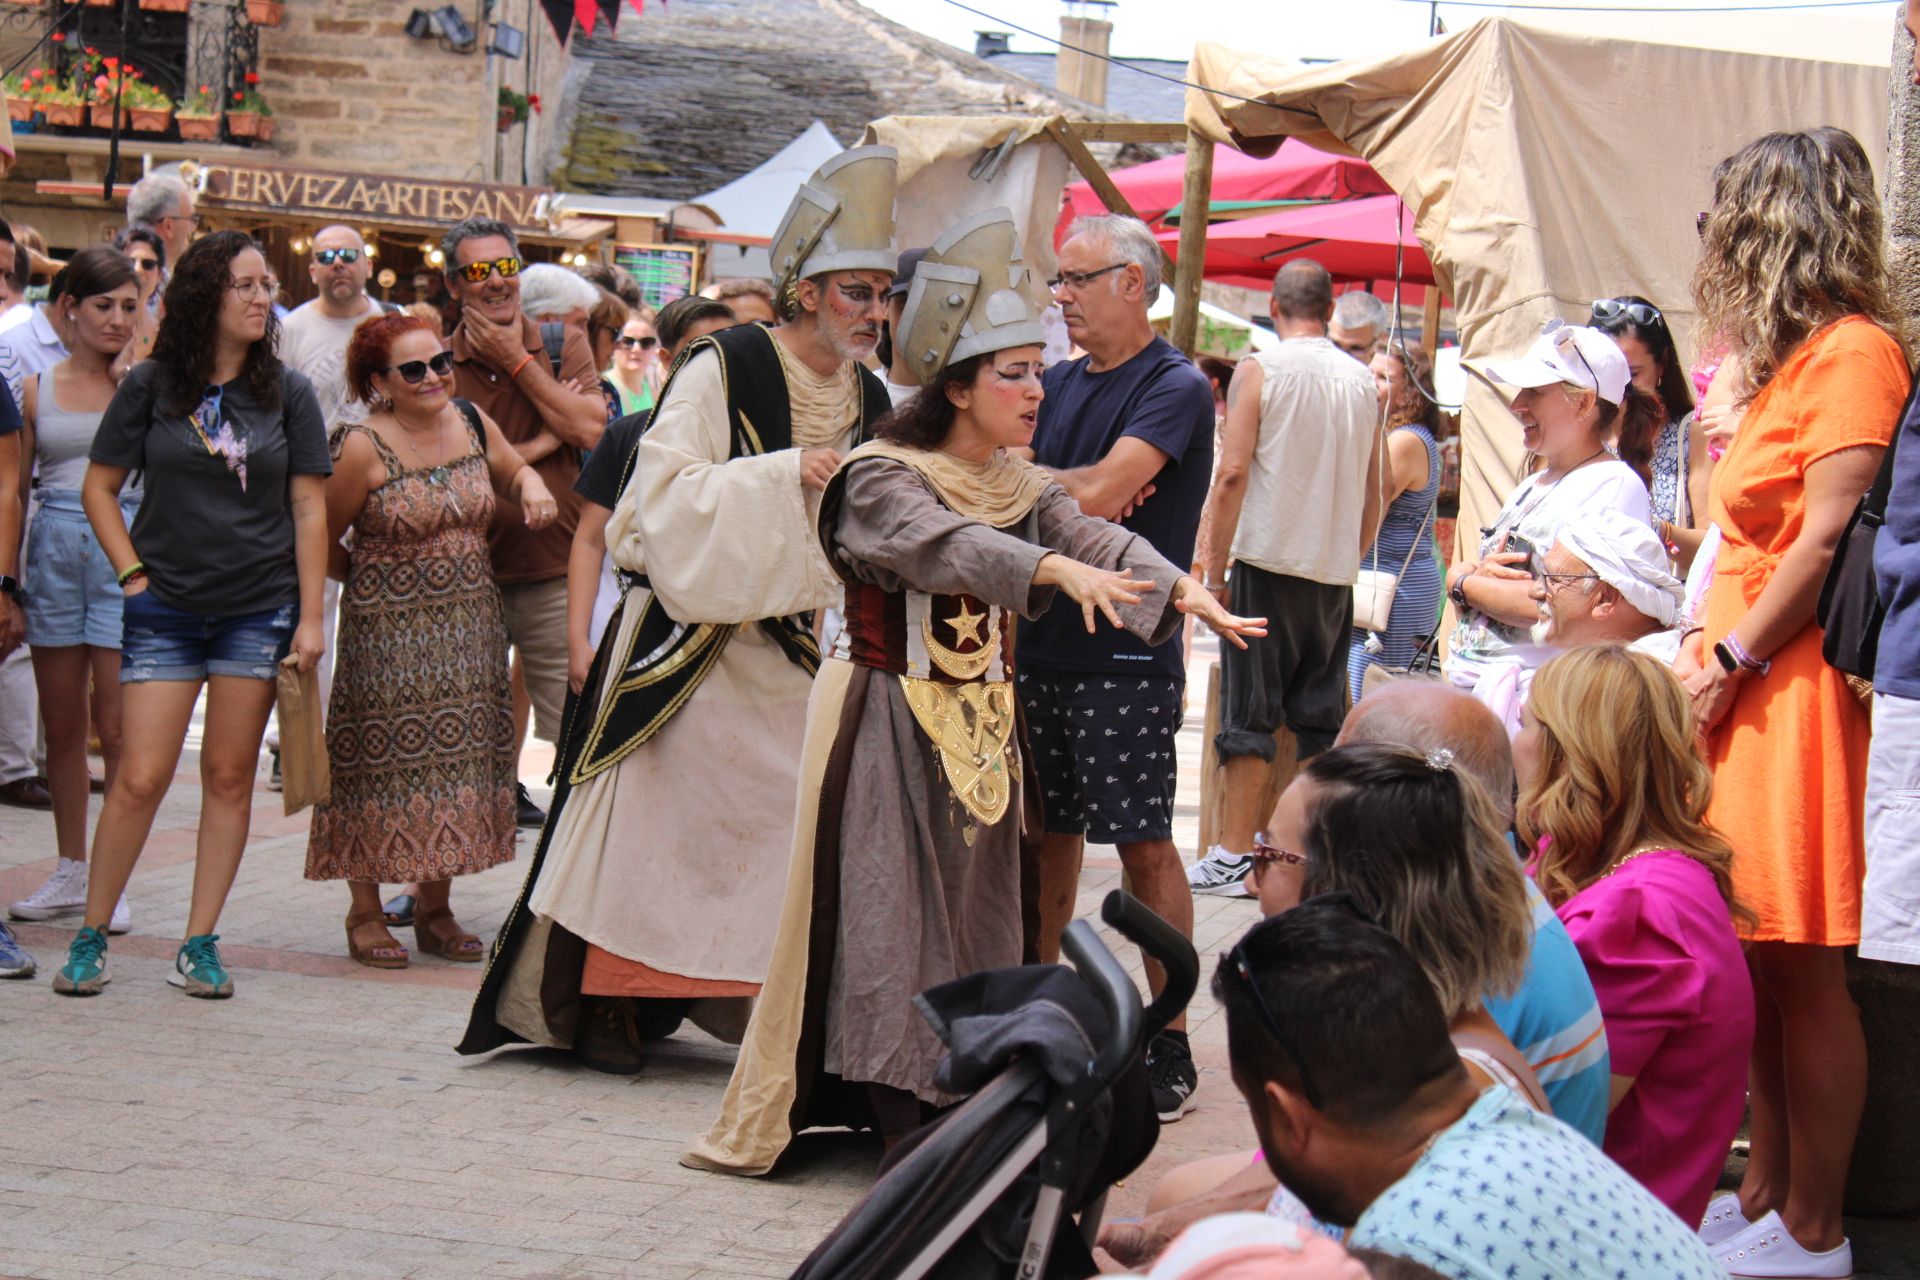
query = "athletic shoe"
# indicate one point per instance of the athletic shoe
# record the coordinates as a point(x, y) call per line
point(1767, 1251)
point(14, 960)
point(526, 812)
point(198, 971)
point(1724, 1220)
point(121, 921)
point(64, 893)
point(1222, 875)
point(273, 770)
point(1172, 1078)
point(85, 971)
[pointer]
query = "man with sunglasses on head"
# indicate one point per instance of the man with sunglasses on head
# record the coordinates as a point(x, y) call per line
point(501, 366)
point(657, 889)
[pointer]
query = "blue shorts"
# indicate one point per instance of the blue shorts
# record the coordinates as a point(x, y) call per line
point(72, 596)
point(1103, 750)
point(160, 642)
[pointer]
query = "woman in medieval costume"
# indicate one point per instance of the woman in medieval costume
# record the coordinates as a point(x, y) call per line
point(906, 868)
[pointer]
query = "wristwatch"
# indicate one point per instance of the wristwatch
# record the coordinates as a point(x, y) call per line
point(9, 587)
point(1457, 592)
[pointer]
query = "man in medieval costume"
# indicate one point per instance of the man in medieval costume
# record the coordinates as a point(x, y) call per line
point(907, 867)
point(656, 888)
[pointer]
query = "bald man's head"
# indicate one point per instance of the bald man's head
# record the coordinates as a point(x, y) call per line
point(1427, 715)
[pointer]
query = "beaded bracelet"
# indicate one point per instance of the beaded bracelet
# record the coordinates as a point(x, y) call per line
point(137, 569)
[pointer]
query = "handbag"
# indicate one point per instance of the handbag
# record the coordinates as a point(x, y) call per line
point(1425, 665)
point(1850, 610)
point(1373, 589)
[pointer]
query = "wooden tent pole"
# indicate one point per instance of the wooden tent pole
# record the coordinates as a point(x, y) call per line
point(1196, 198)
point(1095, 174)
point(1430, 322)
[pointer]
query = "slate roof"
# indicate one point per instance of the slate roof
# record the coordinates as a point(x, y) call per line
point(1130, 95)
point(692, 94)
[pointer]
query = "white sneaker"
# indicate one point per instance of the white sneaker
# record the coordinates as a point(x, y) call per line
point(1724, 1220)
point(1767, 1251)
point(1222, 875)
point(63, 894)
point(122, 920)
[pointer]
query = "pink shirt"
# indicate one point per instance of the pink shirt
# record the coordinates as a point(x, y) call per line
point(1660, 948)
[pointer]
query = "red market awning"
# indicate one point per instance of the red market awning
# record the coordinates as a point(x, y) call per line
point(1295, 172)
point(1353, 239)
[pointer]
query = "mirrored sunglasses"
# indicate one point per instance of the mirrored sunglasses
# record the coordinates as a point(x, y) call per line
point(327, 257)
point(477, 272)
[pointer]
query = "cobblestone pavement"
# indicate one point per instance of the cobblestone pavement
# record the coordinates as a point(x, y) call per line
point(320, 1125)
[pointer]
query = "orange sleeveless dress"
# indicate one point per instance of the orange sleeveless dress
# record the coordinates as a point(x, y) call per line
point(1790, 758)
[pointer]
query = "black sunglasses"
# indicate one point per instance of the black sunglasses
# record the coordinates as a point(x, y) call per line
point(1700, 224)
point(645, 344)
point(414, 370)
point(1607, 310)
point(327, 257)
point(145, 264)
point(1237, 961)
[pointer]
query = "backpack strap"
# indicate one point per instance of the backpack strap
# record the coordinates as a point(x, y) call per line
point(553, 336)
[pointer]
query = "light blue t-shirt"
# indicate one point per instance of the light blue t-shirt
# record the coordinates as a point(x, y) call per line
point(1554, 1021)
point(1506, 1193)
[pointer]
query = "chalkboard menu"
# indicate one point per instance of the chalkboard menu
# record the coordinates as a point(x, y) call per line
point(663, 271)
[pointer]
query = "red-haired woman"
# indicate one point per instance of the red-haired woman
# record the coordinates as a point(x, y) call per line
point(420, 726)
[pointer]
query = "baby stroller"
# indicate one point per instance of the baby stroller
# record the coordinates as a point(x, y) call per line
point(1060, 1110)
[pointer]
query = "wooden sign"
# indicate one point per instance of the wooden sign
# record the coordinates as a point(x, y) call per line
point(663, 271)
point(317, 194)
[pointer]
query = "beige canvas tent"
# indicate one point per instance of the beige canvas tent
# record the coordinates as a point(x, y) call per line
point(1545, 169)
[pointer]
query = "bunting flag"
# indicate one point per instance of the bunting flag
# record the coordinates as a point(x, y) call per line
point(564, 13)
point(560, 14)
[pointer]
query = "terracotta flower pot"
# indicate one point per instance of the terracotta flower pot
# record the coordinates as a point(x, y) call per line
point(243, 124)
point(20, 109)
point(100, 115)
point(199, 128)
point(151, 119)
point(165, 6)
point(267, 125)
point(69, 114)
point(265, 13)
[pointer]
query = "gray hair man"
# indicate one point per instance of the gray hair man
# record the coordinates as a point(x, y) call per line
point(1301, 435)
point(1127, 429)
point(1359, 323)
point(1607, 579)
point(501, 366)
point(165, 203)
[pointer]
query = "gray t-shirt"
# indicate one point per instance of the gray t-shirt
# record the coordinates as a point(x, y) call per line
point(216, 529)
point(316, 344)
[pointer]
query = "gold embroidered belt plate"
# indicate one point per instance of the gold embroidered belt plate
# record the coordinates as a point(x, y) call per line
point(971, 728)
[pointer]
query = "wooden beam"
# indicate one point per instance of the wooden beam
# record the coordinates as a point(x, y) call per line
point(1430, 322)
point(1096, 176)
point(1128, 131)
point(1188, 271)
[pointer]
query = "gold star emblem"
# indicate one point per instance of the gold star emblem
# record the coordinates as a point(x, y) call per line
point(966, 626)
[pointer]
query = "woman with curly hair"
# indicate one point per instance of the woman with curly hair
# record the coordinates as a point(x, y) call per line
point(1410, 492)
point(1791, 274)
point(221, 574)
point(1613, 794)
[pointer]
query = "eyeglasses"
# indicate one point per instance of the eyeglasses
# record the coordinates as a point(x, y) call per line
point(645, 344)
point(1268, 855)
point(251, 289)
point(194, 218)
point(1606, 310)
point(1700, 224)
point(145, 264)
point(1564, 341)
point(1078, 280)
point(1551, 578)
point(1237, 961)
point(477, 272)
point(413, 371)
point(327, 257)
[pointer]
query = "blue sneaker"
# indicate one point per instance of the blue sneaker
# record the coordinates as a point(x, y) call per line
point(198, 971)
point(14, 960)
point(85, 971)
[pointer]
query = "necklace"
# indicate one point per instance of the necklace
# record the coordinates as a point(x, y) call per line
point(1631, 854)
point(437, 476)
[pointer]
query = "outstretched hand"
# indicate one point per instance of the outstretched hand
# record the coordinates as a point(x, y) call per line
point(1092, 589)
point(1190, 597)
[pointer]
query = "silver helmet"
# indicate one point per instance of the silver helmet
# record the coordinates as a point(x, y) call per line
point(841, 219)
point(967, 297)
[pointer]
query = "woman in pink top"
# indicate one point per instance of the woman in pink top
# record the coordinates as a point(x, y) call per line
point(1613, 794)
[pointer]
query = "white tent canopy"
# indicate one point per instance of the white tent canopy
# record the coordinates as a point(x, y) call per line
point(752, 203)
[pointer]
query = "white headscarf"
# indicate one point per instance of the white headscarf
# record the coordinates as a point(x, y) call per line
point(1628, 556)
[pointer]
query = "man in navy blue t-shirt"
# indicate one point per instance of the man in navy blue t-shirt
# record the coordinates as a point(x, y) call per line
point(1127, 429)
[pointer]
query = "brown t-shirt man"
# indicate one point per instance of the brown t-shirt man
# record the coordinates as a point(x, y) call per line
point(521, 554)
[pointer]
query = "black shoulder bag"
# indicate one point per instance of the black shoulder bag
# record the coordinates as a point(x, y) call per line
point(1850, 610)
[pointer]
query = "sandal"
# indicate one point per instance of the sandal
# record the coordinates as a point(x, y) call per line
point(437, 933)
point(384, 954)
point(399, 911)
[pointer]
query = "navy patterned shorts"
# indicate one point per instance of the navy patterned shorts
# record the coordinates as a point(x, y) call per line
point(1103, 749)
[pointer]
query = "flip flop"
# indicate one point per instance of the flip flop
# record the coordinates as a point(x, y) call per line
point(399, 911)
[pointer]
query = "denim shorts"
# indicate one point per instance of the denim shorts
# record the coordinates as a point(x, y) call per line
point(160, 642)
point(72, 596)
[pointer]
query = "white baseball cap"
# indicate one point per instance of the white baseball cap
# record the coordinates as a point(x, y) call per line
point(1572, 354)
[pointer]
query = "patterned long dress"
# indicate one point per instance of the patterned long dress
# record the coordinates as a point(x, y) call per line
point(420, 725)
point(1416, 601)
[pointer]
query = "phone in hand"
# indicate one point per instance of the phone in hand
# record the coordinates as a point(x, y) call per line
point(1515, 543)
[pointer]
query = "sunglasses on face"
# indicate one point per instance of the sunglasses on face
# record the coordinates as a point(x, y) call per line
point(477, 272)
point(1607, 310)
point(1267, 856)
point(644, 344)
point(327, 257)
point(413, 371)
point(145, 264)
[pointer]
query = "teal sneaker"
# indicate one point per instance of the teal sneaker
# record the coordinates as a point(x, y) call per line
point(198, 971)
point(85, 971)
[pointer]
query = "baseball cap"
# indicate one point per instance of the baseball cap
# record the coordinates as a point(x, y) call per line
point(903, 274)
point(1568, 353)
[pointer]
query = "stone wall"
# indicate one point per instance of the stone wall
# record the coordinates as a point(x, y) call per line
point(1903, 172)
point(351, 90)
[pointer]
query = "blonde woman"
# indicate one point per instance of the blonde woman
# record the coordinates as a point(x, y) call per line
point(1791, 274)
point(1614, 797)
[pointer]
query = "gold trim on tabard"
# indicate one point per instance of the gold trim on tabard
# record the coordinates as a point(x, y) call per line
point(963, 666)
point(971, 728)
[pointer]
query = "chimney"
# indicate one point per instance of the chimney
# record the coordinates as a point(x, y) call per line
point(986, 44)
point(1087, 25)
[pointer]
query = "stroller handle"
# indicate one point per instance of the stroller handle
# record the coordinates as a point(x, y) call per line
point(1164, 943)
point(1110, 982)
